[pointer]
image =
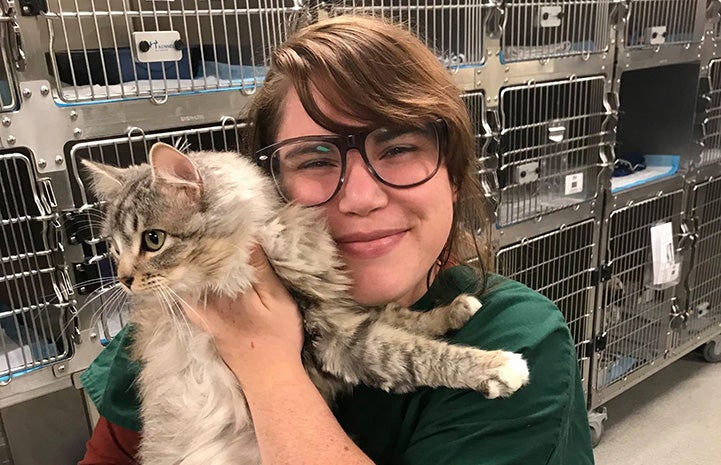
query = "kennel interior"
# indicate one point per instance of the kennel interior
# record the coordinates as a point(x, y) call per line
point(655, 136)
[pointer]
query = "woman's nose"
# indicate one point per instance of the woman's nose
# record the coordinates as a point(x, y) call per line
point(361, 193)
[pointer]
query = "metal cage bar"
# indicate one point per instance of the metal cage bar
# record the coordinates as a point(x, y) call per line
point(33, 288)
point(538, 29)
point(123, 151)
point(635, 313)
point(551, 141)
point(712, 126)
point(453, 28)
point(704, 303)
point(125, 49)
point(560, 265)
point(653, 23)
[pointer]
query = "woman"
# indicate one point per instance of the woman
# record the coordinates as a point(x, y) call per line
point(402, 237)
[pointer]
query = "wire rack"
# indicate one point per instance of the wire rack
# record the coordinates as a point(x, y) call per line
point(34, 291)
point(122, 49)
point(635, 314)
point(538, 29)
point(560, 265)
point(550, 146)
point(96, 276)
point(654, 23)
point(453, 28)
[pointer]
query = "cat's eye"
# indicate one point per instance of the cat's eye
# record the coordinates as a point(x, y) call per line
point(153, 240)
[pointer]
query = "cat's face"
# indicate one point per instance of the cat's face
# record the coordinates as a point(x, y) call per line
point(157, 223)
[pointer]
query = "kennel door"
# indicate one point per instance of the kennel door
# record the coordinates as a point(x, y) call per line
point(541, 29)
point(454, 29)
point(36, 314)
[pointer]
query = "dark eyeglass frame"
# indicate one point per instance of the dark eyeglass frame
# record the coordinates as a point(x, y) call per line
point(344, 142)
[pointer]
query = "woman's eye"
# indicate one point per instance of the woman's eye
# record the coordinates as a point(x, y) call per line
point(153, 240)
point(397, 151)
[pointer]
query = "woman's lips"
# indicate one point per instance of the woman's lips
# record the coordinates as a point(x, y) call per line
point(369, 245)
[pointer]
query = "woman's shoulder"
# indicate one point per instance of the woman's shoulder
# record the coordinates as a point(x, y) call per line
point(512, 317)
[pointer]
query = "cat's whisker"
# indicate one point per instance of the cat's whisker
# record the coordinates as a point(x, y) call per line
point(182, 308)
point(186, 306)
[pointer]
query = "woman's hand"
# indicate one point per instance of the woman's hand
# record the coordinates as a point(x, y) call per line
point(260, 327)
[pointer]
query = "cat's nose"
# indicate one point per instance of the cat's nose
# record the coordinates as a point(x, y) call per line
point(127, 280)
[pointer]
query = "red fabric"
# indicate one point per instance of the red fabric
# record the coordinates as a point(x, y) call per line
point(111, 444)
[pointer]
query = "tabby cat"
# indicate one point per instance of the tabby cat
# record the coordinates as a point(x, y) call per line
point(184, 225)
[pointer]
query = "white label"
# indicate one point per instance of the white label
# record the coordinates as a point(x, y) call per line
point(656, 35)
point(574, 183)
point(549, 16)
point(665, 268)
point(152, 47)
point(527, 173)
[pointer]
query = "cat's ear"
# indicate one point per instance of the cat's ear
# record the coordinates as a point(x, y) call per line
point(173, 168)
point(106, 180)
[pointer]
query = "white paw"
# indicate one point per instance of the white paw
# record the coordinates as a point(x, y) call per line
point(509, 378)
point(471, 303)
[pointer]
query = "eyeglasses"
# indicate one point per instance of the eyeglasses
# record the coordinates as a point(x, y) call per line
point(310, 170)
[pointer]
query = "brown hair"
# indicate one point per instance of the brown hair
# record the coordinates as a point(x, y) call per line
point(380, 74)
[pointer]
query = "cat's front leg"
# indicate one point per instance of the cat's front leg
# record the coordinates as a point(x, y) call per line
point(435, 322)
point(392, 359)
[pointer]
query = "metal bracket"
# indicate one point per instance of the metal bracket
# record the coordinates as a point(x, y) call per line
point(602, 274)
point(600, 342)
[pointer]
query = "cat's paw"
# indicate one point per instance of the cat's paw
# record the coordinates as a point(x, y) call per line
point(509, 377)
point(462, 309)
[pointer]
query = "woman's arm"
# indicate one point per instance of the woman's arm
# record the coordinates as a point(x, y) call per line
point(260, 337)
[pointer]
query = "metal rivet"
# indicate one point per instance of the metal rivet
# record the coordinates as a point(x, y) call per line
point(42, 163)
point(11, 140)
point(7, 121)
point(59, 160)
point(27, 93)
point(44, 90)
point(61, 368)
point(27, 10)
point(508, 68)
point(73, 115)
point(78, 132)
point(93, 336)
point(83, 290)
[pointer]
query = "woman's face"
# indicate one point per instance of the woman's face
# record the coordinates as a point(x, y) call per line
point(389, 237)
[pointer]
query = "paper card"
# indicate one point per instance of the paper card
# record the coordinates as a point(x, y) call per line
point(574, 183)
point(665, 268)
